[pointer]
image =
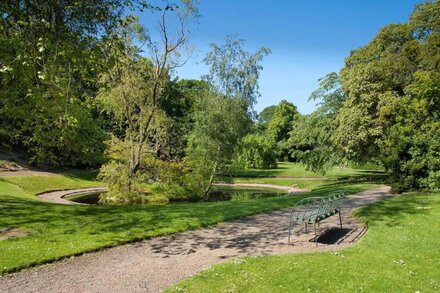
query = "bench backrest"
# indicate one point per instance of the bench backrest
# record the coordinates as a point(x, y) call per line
point(320, 207)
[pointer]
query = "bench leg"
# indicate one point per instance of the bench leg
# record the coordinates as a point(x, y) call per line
point(316, 238)
point(290, 228)
point(340, 219)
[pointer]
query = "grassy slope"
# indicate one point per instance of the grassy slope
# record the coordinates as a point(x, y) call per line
point(37, 184)
point(400, 253)
point(60, 231)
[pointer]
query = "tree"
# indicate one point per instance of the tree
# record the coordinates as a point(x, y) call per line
point(220, 123)
point(310, 140)
point(280, 126)
point(257, 151)
point(264, 117)
point(234, 72)
point(391, 111)
point(48, 73)
point(134, 86)
point(223, 115)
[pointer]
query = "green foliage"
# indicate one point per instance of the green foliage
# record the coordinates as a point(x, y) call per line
point(257, 151)
point(49, 53)
point(391, 112)
point(280, 125)
point(157, 181)
point(310, 140)
point(234, 72)
point(223, 114)
point(264, 117)
point(220, 123)
point(178, 105)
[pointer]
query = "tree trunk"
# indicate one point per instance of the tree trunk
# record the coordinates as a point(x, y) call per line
point(214, 170)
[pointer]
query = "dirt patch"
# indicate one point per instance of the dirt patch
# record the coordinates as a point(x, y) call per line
point(12, 232)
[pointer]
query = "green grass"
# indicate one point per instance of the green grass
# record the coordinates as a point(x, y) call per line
point(247, 189)
point(59, 231)
point(400, 253)
point(34, 185)
point(306, 184)
point(286, 169)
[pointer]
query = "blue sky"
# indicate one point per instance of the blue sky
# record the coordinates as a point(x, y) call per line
point(308, 38)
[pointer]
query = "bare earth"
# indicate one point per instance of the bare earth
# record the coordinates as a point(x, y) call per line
point(154, 264)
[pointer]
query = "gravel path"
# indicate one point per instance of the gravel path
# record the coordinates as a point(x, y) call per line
point(154, 264)
point(59, 196)
point(290, 190)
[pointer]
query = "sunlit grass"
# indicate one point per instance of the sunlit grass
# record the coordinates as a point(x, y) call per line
point(399, 254)
point(286, 169)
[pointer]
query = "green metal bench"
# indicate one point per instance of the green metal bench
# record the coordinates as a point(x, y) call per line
point(313, 210)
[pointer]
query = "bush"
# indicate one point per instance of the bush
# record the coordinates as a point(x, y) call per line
point(257, 151)
point(156, 181)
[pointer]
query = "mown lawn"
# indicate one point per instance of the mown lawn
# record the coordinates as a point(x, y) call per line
point(400, 253)
point(57, 231)
point(286, 169)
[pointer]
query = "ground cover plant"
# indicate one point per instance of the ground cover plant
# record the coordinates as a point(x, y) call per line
point(56, 231)
point(398, 254)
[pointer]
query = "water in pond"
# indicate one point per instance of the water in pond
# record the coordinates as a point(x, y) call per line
point(221, 194)
point(87, 198)
point(217, 194)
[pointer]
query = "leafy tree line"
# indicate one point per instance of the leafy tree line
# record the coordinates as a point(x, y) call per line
point(384, 106)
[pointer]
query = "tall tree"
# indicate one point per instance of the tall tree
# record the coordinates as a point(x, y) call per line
point(310, 140)
point(391, 112)
point(281, 124)
point(49, 64)
point(134, 86)
point(223, 115)
point(234, 72)
point(265, 116)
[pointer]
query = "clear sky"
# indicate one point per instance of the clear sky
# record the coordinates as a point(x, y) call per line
point(308, 38)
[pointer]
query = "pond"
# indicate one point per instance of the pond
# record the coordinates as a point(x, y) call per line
point(217, 194)
point(222, 193)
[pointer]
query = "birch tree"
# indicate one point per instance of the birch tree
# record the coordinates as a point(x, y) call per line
point(134, 85)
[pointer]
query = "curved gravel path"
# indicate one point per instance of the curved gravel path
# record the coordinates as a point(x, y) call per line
point(154, 264)
point(290, 190)
point(59, 196)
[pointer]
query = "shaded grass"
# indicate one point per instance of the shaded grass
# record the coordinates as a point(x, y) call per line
point(59, 231)
point(399, 254)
